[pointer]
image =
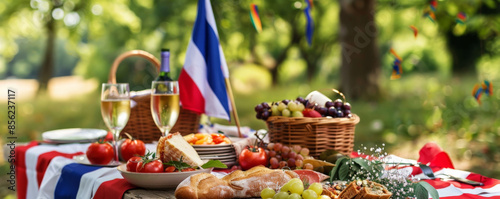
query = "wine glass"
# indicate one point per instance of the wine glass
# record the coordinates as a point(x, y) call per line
point(165, 104)
point(115, 109)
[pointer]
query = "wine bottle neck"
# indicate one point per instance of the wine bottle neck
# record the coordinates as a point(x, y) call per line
point(165, 66)
point(165, 62)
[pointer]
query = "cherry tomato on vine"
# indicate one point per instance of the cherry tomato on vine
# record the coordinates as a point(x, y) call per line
point(154, 166)
point(132, 163)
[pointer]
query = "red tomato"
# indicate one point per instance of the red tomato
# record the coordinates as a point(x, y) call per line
point(170, 169)
point(252, 156)
point(132, 163)
point(188, 169)
point(155, 166)
point(130, 148)
point(100, 153)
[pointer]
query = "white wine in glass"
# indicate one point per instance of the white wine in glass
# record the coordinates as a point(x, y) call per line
point(165, 104)
point(115, 109)
point(115, 113)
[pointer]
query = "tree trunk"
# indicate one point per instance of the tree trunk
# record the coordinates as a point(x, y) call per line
point(465, 51)
point(360, 68)
point(47, 68)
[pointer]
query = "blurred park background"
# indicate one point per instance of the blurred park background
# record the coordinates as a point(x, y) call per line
point(56, 53)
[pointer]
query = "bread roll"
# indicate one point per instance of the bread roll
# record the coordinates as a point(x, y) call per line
point(203, 186)
point(238, 184)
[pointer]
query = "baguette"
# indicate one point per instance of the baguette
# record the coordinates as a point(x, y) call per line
point(238, 184)
point(204, 186)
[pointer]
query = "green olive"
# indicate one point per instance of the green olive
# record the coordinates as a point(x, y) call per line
point(319, 169)
point(327, 153)
point(334, 157)
point(327, 169)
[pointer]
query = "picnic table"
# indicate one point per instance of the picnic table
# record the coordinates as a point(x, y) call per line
point(49, 171)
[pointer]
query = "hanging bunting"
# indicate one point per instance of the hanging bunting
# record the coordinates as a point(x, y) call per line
point(430, 10)
point(415, 30)
point(254, 17)
point(477, 92)
point(461, 18)
point(397, 69)
point(310, 3)
point(310, 22)
point(486, 87)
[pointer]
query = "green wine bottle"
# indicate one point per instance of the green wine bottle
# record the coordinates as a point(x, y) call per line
point(165, 66)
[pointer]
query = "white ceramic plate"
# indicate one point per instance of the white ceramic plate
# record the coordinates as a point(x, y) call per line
point(214, 149)
point(218, 154)
point(229, 164)
point(226, 159)
point(82, 159)
point(73, 135)
point(217, 157)
point(214, 146)
point(157, 180)
point(225, 151)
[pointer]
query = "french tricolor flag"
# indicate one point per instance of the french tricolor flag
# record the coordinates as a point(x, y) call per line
point(202, 80)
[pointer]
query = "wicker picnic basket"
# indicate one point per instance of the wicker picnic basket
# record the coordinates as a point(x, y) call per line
point(141, 124)
point(317, 134)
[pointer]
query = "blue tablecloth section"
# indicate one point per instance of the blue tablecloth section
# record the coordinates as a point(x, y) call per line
point(69, 182)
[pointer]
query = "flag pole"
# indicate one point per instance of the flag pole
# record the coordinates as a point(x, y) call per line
point(231, 98)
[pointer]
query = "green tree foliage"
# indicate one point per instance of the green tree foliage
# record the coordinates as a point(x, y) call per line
point(107, 28)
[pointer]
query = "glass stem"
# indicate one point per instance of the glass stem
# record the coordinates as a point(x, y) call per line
point(116, 135)
point(166, 131)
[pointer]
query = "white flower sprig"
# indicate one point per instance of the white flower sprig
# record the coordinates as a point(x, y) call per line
point(371, 167)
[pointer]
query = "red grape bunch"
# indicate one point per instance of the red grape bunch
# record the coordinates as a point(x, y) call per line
point(335, 109)
point(285, 156)
point(263, 111)
point(287, 108)
point(301, 107)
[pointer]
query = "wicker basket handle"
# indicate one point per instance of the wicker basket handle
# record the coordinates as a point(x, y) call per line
point(139, 53)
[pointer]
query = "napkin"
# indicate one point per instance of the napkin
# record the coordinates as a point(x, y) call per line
point(434, 155)
point(241, 144)
point(134, 94)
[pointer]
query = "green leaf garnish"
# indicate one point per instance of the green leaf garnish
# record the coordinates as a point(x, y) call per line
point(334, 174)
point(344, 172)
point(148, 157)
point(420, 191)
point(214, 164)
point(423, 189)
point(179, 165)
